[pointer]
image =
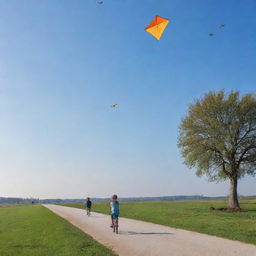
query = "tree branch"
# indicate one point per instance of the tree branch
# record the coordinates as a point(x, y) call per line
point(243, 154)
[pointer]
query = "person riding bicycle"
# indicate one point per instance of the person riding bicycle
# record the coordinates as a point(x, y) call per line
point(88, 206)
point(114, 213)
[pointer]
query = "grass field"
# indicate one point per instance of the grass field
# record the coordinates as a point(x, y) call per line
point(35, 231)
point(192, 215)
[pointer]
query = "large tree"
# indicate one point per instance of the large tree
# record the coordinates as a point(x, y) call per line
point(218, 138)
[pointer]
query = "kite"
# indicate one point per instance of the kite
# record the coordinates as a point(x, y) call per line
point(211, 34)
point(157, 27)
point(222, 26)
point(114, 105)
point(101, 2)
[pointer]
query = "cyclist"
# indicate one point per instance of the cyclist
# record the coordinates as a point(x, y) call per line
point(88, 206)
point(114, 213)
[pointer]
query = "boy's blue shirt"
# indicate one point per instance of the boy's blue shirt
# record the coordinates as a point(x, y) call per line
point(115, 208)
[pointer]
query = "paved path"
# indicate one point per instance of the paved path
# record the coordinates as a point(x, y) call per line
point(138, 238)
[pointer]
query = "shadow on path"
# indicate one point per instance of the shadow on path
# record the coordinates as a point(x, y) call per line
point(144, 233)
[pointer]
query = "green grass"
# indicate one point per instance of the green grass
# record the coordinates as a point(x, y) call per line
point(36, 231)
point(192, 215)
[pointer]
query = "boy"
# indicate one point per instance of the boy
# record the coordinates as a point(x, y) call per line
point(114, 212)
point(88, 206)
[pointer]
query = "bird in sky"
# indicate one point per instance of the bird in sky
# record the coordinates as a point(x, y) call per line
point(211, 34)
point(114, 105)
point(222, 26)
point(101, 2)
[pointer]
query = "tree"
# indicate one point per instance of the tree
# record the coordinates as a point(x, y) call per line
point(218, 138)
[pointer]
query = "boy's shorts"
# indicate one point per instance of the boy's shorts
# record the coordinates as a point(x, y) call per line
point(114, 215)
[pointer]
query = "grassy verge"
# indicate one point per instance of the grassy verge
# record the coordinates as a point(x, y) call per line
point(192, 215)
point(35, 231)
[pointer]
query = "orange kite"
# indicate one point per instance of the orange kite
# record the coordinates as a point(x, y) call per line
point(157, 27)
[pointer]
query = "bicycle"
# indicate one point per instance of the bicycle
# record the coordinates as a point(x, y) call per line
point(115, 225)
point(88, 212)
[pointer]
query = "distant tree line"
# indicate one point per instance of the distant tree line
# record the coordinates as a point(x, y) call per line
point(14, 200)
point(17, 200)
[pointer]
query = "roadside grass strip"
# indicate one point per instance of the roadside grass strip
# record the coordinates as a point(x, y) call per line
point(191, 215)
point(36, 231)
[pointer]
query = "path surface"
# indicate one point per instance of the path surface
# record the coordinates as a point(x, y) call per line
point(138, 238)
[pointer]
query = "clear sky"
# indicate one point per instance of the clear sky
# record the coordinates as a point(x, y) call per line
point(64, 62)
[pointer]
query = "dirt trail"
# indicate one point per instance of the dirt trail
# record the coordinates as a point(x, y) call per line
point(138, 238)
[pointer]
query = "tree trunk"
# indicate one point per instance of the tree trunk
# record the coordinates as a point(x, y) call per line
point(233, 199)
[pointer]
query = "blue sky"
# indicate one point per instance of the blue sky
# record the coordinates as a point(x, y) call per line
point(64, 62)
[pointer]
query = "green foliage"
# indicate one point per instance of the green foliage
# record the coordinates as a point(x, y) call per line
point(192, 215)
point(218, 136)
point(35, 231)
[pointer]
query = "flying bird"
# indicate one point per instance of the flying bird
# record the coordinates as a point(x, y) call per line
point(101, 2)
point(211, 34)
point(222, 26)
point(114, 105)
